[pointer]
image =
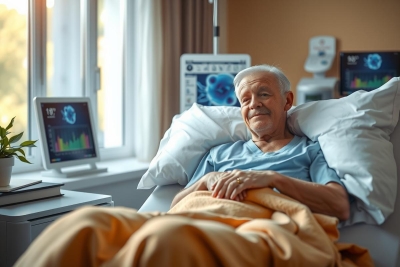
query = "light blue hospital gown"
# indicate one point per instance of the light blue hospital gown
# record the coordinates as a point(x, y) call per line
point(301, 158)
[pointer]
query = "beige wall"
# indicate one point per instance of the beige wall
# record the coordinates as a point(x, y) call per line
point(278, 31)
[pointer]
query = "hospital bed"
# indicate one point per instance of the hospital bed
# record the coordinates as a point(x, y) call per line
point(382, 239)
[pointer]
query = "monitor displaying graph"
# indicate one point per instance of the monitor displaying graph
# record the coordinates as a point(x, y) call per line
point(68, 131)
point(367, 70)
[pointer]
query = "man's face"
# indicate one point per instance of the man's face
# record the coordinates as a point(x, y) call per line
point(263, 106)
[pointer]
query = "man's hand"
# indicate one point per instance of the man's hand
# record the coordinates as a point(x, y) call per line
point(212, 179)
point(233, 184)
point(330, 199)
point(207, 182)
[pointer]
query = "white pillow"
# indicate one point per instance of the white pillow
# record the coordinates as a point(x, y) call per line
point(191, 135)
point(353, 132)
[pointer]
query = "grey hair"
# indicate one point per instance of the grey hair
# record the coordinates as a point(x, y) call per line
point(284, 83)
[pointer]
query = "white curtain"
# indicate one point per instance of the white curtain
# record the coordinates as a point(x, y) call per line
point(148, 35)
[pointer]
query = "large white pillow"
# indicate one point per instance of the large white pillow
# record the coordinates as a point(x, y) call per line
point(353, 132)
point(191, 135)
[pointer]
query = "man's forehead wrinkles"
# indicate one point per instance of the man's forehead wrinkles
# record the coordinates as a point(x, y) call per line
point(251, 82)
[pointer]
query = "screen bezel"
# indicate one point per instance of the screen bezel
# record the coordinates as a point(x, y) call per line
point(206, 57)
point(342, 56)
point(48, 165)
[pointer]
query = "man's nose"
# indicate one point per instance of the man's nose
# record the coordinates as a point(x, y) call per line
point(255, 103)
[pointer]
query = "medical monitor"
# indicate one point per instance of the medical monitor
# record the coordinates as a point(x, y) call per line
point(207, 79)
point(367, 70)
point(67, 136)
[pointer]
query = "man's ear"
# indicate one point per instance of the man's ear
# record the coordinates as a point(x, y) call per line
point(289, 100)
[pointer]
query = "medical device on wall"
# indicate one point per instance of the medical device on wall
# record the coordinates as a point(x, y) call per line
point(367, 70)
point(207, 79)
point(322, 51)
point(68, 137)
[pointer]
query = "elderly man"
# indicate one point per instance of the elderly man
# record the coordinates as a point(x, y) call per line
point(274, 157)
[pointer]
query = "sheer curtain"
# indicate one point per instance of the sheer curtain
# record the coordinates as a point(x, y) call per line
point(149, 60)
point(165, 30)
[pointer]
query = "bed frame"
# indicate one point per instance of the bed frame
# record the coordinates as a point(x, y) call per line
point(383, 241)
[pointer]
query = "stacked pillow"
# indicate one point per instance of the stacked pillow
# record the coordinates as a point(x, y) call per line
point(353, 131)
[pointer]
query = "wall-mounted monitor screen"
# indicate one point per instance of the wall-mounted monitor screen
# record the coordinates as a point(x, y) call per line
point(207, 79)
point(367, 70)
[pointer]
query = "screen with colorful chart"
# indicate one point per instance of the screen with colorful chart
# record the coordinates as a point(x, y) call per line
point(367, 70)
point(68, 131)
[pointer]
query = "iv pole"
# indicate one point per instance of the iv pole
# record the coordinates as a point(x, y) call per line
point(215, 26)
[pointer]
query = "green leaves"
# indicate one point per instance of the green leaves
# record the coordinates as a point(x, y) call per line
point(11, 124)
point(28, 144)
point(16, 138)
point(6, 150)
point(2, 132)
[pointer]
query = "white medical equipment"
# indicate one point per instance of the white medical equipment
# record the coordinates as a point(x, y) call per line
point(322, 51)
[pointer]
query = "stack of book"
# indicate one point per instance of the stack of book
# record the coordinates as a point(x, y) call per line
point(23, 190)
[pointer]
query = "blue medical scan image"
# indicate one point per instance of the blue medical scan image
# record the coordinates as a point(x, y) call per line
point(69, 114)
point(373, 61)
point(217, 90)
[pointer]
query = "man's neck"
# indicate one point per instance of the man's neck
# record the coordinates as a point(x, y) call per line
point(271, 144)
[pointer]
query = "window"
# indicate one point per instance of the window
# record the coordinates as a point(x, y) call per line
point(13, 63)
point(109, 58)
point(14, 66)
point(65, 48)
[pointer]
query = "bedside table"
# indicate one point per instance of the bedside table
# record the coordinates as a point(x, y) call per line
point(20, 224)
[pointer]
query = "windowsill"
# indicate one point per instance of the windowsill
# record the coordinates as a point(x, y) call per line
point(118, 171)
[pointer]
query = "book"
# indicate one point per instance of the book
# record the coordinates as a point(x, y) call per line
point(17, 184)
point(30, 193)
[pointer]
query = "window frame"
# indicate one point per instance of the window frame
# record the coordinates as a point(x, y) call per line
point(37, 70)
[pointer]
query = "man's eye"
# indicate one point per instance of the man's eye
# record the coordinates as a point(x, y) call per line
point(245, 100)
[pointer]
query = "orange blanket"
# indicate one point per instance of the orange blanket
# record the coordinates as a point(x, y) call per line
point(294, 234)
point(268, 229)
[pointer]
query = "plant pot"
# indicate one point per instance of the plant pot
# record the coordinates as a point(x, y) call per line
point(6, 165)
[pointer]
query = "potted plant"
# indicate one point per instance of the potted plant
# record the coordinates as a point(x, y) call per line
point(8, 150)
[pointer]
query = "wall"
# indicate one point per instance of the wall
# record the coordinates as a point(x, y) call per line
point(278, 32)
